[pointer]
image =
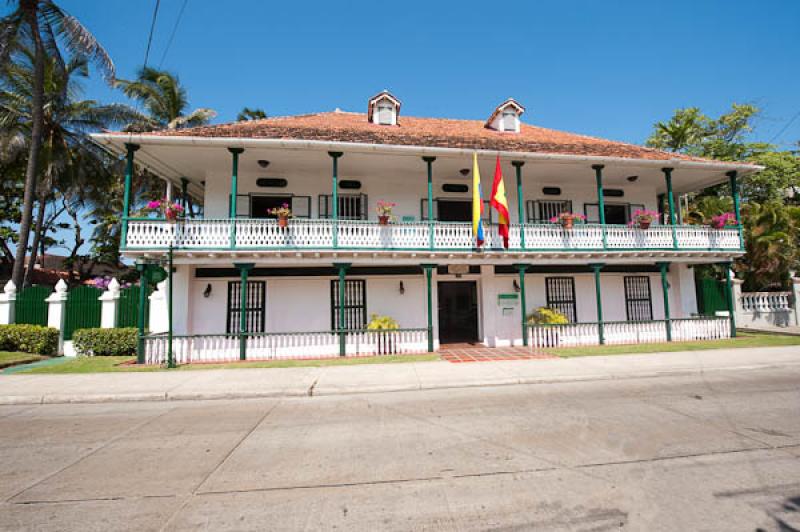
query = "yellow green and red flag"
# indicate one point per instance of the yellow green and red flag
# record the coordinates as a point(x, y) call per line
point(477, 202)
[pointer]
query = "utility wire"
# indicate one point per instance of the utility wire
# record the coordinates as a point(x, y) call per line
point(174, 31)
point(783, 130)
point(152, 30)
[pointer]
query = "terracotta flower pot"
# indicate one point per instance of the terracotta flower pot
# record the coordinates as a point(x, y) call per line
point(383, 220)
point(644, 225)
point(283, 221)
point(567, 223)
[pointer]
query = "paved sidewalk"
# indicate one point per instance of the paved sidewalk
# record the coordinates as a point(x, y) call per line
point(287, 382)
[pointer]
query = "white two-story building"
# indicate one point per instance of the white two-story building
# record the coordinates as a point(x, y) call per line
point(310, 288)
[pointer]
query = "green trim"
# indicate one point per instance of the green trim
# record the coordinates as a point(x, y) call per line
point(601, 202)
point(235, 152)
point(342, 267)
point(170, 354)
point(142, 268)
point(664, 267)
point(598, 295)
point(523, 304)
point(520, 206)
point(126, 199)
point(335, 213)
point(244, 268)
point(671, 202)
point(429, 163)
point(185, 196)
point(429, 292)
point(731, 303)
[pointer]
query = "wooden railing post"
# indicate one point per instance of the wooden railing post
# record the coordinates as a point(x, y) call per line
point(429, 162)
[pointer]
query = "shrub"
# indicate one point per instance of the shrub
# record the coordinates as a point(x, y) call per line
point(546, 315)
point(380, 323)
point(105, 342)
point(27, 338)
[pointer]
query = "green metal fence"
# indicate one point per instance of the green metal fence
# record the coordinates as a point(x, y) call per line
point(128, 308)
point(712, 296)
point(31, 306)
point(82, 310)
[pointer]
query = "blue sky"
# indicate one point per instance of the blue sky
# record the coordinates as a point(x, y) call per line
point(606, 68)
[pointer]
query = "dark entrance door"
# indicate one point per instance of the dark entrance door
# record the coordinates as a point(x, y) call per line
point(458, 311)
point(454, 210)
point(616, 214)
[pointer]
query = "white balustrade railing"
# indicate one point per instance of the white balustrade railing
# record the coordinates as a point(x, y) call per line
point(628, 332)
point(766, 301)
point(304, 233)
point(210, 348)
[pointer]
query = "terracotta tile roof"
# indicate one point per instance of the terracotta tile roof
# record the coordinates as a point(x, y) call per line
point(341, 126)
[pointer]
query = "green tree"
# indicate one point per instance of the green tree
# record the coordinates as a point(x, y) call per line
point(165, 101)
point(251, 114)
point(41, 25)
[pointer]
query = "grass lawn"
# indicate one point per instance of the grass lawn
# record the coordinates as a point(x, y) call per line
point(743, 339)
point(12, 358)
point(112, 364)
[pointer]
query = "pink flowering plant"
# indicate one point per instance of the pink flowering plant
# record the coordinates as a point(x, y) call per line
point(384, 208)
point(642, 218)
point(284, 211)
point(165, 208)
point(568, 218)
point(722, 220)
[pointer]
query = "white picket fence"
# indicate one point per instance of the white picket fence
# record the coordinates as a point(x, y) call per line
point(283, 346)
point(628, 332)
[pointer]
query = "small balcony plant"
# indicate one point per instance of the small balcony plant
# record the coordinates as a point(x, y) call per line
point(164, 207)
point(720, 221)
point(384, 210)
point(642, 218)
point(568, 219)
point(283, 213)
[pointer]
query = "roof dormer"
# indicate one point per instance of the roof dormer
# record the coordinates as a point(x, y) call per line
point(506, 117)
point(383, 109)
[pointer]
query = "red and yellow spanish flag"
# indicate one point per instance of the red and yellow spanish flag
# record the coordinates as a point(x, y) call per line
point(500, 203)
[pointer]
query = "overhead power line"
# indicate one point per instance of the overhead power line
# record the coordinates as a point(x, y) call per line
point(784, 128)
point(174, 31)
point(152, 30)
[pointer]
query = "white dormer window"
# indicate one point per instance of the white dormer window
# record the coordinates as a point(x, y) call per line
point(383, 109)
point(505, 117)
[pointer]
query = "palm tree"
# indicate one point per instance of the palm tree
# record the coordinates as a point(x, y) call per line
point(683, 131)
point(165, 100)
point(42, 25)
point(251, 114)
point(70, 165)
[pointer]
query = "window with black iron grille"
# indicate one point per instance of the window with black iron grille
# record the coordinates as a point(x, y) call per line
point(351, 206)
point(560, 292)
point(355, 304)
point(254, 309)
point(638, 304)
point(544, 210)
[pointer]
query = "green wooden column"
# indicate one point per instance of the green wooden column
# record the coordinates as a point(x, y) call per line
point(598, 295)
point(126, 200)
point(342, 268)
point(732, 176)
point(664, 268)
point(429, 291)
point(429, 162)
point(729, 290)
point(335, 214)
point(671, 204)
point(520, 209)
point(185, 195)
point(142, 268)
point(522, 268)
point(234, 191)
point(601, 202)
point(244, 269)
point(170, 354)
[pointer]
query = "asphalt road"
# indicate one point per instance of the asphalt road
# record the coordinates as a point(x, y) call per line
point(717, 452)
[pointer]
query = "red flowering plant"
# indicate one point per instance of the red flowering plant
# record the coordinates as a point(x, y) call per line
point(723, 220)
point(642, 218)
point(165, 208)
point(284, 211)
point(566, 219)
point(384, 210)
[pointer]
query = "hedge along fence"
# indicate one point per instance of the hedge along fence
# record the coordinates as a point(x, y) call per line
point(106, 342)
point(31, 307)
point(29, 338)
point(83, 310)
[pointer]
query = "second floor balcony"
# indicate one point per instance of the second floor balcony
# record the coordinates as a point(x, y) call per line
point(438, 236)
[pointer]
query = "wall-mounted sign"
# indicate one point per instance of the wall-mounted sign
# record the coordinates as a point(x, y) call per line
point(457, 269)
point(507, 300)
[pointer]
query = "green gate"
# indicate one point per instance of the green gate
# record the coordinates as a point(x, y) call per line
point(31, 306)
point(128, 308)
point(82, 310)
point(712, 296)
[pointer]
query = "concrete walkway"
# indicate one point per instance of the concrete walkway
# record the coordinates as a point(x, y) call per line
point(288, 382)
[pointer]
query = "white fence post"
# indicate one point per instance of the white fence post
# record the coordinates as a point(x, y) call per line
point(109, 302)
point(158, 309)
point(796, 297)
point(8, 302)
point(57, 302)
point(737, 300)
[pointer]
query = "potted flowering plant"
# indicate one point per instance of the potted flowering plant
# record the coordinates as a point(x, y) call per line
point(723, 220)
point(284, 212)
point(642, 218)
point(170, 211)
point(568, 219)
point(384, 210)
